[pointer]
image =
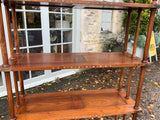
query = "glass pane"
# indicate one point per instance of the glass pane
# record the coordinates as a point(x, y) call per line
point(20, 20)
point(67, 10)
point(56, 49)
point(36, 50)
point(54, 9)
point(33, 20)
point(55, 20)
point(32, 7)
point(55, 36)
point(67, 36)
point(1, 82)
point(22, 39)
point(19, 7)
point(67, 21)
point(25, 75)
point(37, 73)
point(34, 38)
point(23, 50)
point(67, 48)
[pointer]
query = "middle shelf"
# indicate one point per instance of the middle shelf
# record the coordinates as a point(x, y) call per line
point(53, 61)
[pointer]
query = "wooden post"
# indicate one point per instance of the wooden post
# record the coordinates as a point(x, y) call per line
point(129, 82)
point(145, 56)
point(13, 59)
point(127, 29)
point(139, 90)
point(121, 79)
point(116, 117)
point(21, 82)
point(137, 32)
point(149, 32)
point(134, 116)
point(6, 64)
point(124, 116)
point(14, 20)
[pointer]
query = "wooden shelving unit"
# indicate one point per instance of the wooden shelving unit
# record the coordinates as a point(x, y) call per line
point(77, 104)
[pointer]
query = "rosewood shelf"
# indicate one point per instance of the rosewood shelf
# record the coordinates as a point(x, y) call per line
point(75, 105)
point(47, 61)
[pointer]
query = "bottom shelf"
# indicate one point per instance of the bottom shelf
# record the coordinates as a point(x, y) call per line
point(74, 105)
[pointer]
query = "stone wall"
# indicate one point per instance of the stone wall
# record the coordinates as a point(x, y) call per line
point(92, 38)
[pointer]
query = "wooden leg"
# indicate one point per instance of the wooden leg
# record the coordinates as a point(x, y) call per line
point(129, 82)
point(21, 82)
point(121, 79)
point(116, 117)
point(124, 116)
point(16, 89)
point(10, 96)
point(139, 90)
point(134, 116)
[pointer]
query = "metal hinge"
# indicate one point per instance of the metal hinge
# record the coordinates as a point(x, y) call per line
point(5, 69)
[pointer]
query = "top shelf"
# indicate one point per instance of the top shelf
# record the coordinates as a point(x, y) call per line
point(84, 4)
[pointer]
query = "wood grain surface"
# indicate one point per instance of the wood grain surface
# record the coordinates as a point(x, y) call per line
point(74, 104)
point(46, 61)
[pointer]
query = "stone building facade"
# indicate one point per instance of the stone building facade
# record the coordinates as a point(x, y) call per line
point(93, 35)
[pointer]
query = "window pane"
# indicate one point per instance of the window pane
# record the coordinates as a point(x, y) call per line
point(54, 9)
point(36, 50)
point(56, 49)
point(22, 39)
point(23, 50)
point(67, 48)
point(37, 73)
point(33, 20)
point(55, 20)
point(1, 82)
point(67, 21)
point(20, 20)
point(25, 75)
point(67, 10)
point(32, 7)
point(67, 36)
point(55, 36)
point(34, 38)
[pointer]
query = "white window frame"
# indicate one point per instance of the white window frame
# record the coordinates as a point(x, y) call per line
point(48, 75)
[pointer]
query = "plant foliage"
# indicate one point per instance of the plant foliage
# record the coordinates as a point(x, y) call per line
point(144, 18)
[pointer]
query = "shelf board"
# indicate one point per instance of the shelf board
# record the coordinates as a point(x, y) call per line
point(75, 105)
point(83, 4)
point(47, 61)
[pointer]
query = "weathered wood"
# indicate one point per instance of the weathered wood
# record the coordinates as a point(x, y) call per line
point(137, 32)
point(5, 63)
